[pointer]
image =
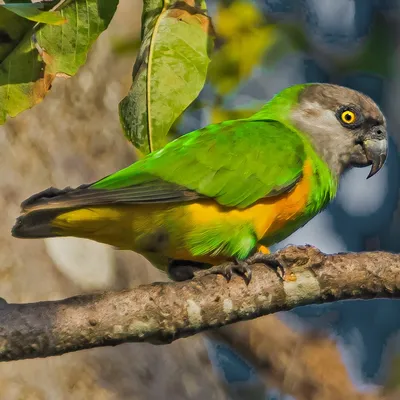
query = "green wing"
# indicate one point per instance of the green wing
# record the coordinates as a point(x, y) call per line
point(235, 162)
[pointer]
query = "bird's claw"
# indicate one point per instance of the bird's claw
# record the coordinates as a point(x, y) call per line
point(271, 261)
point(241, 268)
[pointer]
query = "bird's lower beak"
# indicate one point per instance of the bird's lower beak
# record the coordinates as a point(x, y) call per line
point(376, 152)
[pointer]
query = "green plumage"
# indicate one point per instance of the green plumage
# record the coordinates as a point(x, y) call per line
point(236, 162)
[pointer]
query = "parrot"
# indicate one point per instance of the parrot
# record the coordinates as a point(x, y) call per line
point(217, 198)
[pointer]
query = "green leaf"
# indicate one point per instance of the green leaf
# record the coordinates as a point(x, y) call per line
point(169, 72)
point(33, 54)
point(33, 13)
point(12, 30)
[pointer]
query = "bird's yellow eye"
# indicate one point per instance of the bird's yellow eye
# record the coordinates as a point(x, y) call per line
point(348, 117)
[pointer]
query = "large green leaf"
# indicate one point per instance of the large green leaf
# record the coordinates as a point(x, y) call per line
point(33, 12)
point(33, 54)
point(169, 72)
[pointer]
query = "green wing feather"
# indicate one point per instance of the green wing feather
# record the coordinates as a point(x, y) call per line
point(235, 162)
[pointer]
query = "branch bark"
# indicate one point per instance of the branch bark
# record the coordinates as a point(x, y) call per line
point(163, 312)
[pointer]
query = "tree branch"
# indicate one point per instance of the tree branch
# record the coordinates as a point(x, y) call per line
point(163, 312)
point(307, 366)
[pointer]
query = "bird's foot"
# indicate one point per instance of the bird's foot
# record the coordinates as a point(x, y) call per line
point(271, 261)
point(182, 270)
point(238, 267)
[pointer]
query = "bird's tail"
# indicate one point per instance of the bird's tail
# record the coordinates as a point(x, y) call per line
point(90, 212)
point(36, 224)
point(39, 212)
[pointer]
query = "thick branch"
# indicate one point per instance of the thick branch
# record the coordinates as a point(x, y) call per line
point(163, 312)
point(307, 366)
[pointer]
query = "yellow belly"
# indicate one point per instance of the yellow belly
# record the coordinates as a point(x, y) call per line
point(142, 227)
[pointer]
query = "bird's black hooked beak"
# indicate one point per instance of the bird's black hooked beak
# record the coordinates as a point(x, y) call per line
point(376, 152)
point(376, 147)
point(371, 149)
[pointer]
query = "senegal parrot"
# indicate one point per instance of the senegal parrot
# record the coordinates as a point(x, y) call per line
point(219, 196)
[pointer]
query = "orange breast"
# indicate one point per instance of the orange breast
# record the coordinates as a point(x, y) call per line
point(267, 215)
point(291, 205)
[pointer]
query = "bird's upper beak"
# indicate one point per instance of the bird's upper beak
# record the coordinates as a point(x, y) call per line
point(371, 149)
point(376, 152)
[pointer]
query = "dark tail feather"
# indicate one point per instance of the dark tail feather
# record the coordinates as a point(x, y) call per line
point(39, 211)
point(51, 198)
point(36, 224)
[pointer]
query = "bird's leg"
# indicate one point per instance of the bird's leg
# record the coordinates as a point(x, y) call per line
point(183, 270)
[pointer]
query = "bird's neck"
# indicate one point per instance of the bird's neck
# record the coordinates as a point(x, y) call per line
point(333, 152)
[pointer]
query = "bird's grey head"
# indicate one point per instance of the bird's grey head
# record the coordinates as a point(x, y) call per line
point(346, 127)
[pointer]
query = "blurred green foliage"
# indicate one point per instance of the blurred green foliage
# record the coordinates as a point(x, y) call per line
point(169, 72)
point(245, 37)
point(33, 53)
point(393, 378)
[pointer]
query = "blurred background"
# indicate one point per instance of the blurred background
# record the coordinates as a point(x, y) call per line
point(74, 136)
point(354, 43)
